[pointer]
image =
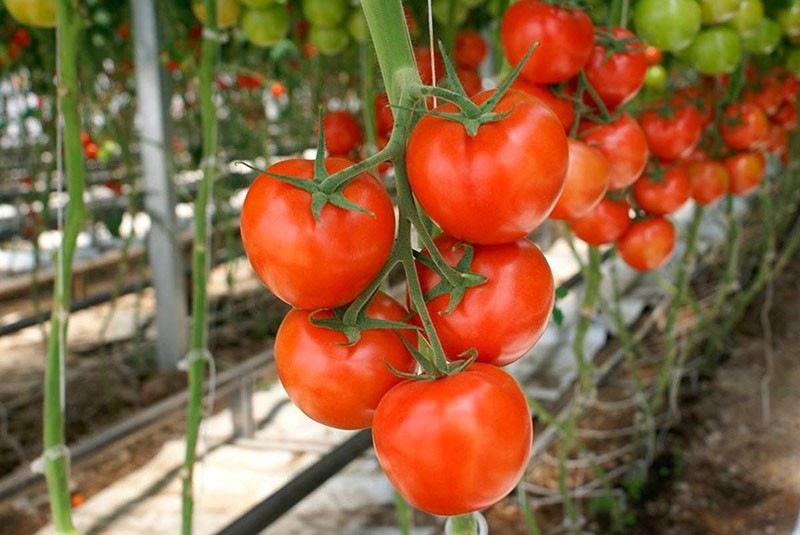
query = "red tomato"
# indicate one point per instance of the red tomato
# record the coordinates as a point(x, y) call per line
point(647, 244)
point(470, 49)
point(562, 107)
point(86, 138)
point(786, 116)
point(702, 99)
point(384, 118)
point(333, 382)
point(500, 325)
point(619, 76)
point(744, 126)
point(565, 37)
point(674, 137)
point(90, 150)
point(470, 80)
point(708, 180)
point(604, 224)
point(768, 97)
point(277, 89)
point(624, 144)
point(312, 264)
point(652, 55)
point(585, 184)
point(664, 196)
point(777, 142)
point(746, 170)
point(342, 132)
point(423, 57)
point(495, 186)
point(457, 444)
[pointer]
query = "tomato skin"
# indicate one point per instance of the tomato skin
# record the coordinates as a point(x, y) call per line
point(604, 224)
point(746, 170)
point(671, 138)
point(666, 196)
point(470, 49)
point(342, 132)
point(743, 126)
point(585, 184)
point(454, 445)
point(286, 247)
point(618, 77)
point(647, 244)
point(384, 118)
point(478, 188)
point(470, 81)
point(563, 108)
point(337, 384)
point(624, 145)
point(565, 36)
point(671, 25)
point(501, 325)
point(708, 180)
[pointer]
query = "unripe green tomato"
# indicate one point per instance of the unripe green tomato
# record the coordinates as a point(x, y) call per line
point(441, 12)
point(655, 78)
point(357, 25)
point(716, 11)
point(715, 50)
point(265, 27)
point(765, 39)
point(670, 25)
point(258, 4)
point(793, 61)
point(328, 41)
point(748, 16)
point(40, 13)
point(789, 19)
point(228, 12)
point(325, 13)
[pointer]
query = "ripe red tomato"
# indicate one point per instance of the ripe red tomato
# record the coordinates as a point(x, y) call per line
point(777, 142)
point(565, 37)
point(562, 107)
point(744, 126)
point(786, 116)
point(585, 184)
point(675, 136)
point(470, 49)
point(288, 249)
point(604, 224)
point(663, 196)
point(619, 76)
point(457, 444)
point(500, 325)
point(470, 81)
point(342, 132)
point(652, 55)
point(768, 97)
point(333, 382)
point(624, 144)
point(384, 118)
point(425, 67)
point(746, 170)
point(708, 180)
point(90, 150)
point(495, 186)
point(647, 244)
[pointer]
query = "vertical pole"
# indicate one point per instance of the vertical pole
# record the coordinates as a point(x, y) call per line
point(164, 250)
point(241, 402)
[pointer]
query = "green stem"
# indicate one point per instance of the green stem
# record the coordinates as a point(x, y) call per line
point(367, 60)
point(56, 457)
point(525, 507)
point(199, 332)
point(463, 525)
point(403, 511)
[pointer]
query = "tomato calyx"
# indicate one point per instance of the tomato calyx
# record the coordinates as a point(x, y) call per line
point(352, 328)
point(447, 286)
point(432, 368)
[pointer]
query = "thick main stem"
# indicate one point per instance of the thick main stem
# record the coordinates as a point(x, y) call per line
point(199, 332)
point(56, 457)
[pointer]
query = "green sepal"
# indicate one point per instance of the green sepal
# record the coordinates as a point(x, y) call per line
point(353, 331)
point(561, 292)
point(503, 88)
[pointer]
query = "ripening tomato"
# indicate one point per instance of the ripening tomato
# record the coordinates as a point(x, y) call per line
point(500, 325)
point(565, 37)
point(618, 76)
point(647, 244)
point(663, 196)
point(746, 170)
point(562, 107)
point(716, 11)
point(384, 118)
point(604, 224)
point(470, 49)
point(457, 444)
point(624, 145)
point(342, 132)
point(497, 185)
point(585, 184)
point(744, 125)
point(672, 137)
point(708, 180)
point(336, 383)
point(668, 24)
point(316, 264)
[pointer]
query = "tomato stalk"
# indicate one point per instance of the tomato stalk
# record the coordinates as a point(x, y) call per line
point(198, 353)
point(55, 455)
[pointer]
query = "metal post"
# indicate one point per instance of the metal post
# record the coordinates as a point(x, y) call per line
point(164, 252)
point(241, 403)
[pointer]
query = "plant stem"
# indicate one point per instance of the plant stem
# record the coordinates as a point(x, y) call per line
point(200, 254)
point(56, 456)
point(463, 525)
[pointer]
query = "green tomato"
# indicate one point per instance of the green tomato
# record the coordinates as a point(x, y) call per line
point(265, 27)
point(716, 11)
point(258, 4)
point(655, 78)
point(328, 41)
point(357, 25)
point(325, 13)
point(668, 24)
point(793, 61)
point(441, 12)
point(40, 13)
point(789, 19)
point(715, 50)
point(748, 16)
point(765, 39)
point(228, 12)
